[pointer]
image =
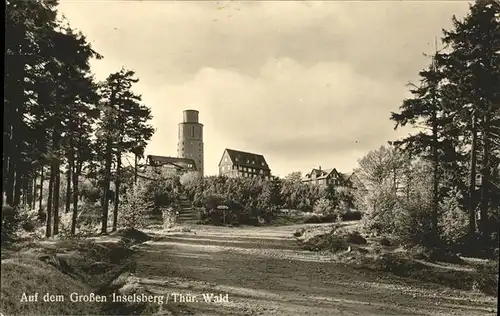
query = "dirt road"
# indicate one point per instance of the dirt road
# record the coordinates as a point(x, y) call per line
point(264, 272)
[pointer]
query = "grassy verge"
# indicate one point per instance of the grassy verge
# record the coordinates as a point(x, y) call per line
point(63, 267)
point(377, 255)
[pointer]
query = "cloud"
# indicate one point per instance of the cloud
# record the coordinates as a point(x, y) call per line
point(304, 83)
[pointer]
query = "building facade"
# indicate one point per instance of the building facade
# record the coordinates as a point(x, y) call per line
point(190, 139)
point(324, 177)
point(235, 163)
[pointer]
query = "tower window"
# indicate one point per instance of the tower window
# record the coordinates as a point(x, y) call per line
point(192, 132)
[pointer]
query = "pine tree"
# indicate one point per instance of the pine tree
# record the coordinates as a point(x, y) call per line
point(425, 111)
point(472, 70)
point(123, 128)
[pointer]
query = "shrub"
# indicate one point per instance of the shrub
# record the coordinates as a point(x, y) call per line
point(10, 223)
point(29, 219)
point(315, 219)
point(379, 216)
point(89, 191)
point(134, 206)
point(397, 264)
point(384, 241)
point(355, 238)
point(454, 225)
point(413, 223)
point(351, 215)
point(323, 206)
point(299, 232)
point(486, 278)
point(328, 241)
point(169, 217)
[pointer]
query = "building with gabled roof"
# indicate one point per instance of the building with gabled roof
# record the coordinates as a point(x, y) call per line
point(318, 176)
point(178, 164)
point(235, 163)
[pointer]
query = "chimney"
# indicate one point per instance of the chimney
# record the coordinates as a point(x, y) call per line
point(319, 167)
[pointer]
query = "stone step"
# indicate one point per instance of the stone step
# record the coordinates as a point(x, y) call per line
point(187, 217)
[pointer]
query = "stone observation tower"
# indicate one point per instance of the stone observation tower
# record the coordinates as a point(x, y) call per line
point(190, 144)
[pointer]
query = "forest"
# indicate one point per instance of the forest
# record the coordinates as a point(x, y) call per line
point(60, 124)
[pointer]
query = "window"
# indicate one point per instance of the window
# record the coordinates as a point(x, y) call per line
point(248, 161)
point(236, 159)
point(225, 159)
point(192, 132)
point(263, 164)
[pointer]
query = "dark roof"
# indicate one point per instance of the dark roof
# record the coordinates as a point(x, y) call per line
point(320, 173)
point(247, 159)
point(182, 163)
point(345, 176)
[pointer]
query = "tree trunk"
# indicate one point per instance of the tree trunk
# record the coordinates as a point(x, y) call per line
point(33, 202)
point(6, 154)
point(18, 183)
point(107, 180)
point(68, 184)
point(408, 178)
point(57, 180)
point(48, 230)
point(28, 191)
point(117, 192)
point(11, 171)
point(40, 198)
point(485, 180)
point(57, 197)
point(25, 191)
point(472, 179)
point(435, 175)
point(74, 216)
point(135, 167)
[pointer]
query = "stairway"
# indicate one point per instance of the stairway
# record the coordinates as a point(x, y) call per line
point(187, 213)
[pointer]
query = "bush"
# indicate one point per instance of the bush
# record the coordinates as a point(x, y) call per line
point(397, 264)
point(384, 241)
point(10, 223)
point(134, 206)
point(413, 224)
point(169, 217)
point(380, 214)
point(323, 206)
point(299, 232)
point(355, 238)
point(454, 226)
point(486, 279)
point(351, 215)
point(29, 219)
point(328, 241)
point(315, 219)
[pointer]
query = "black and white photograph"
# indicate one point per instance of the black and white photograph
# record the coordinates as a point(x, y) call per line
point(222, 158)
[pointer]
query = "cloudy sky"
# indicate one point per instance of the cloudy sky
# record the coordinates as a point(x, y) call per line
point(304, 83)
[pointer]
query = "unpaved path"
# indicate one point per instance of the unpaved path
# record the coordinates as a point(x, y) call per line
point(264, 272)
